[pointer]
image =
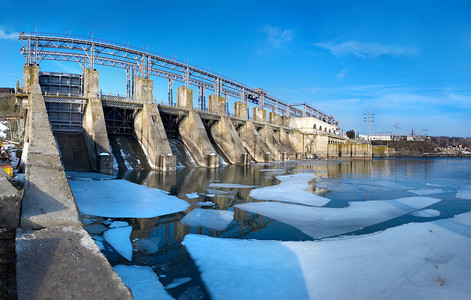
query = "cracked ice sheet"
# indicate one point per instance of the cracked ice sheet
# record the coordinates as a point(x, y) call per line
point(142, 281)
point(208, 218)
point(423, 192)
point(124, 199)
point(120, 239)
point(291, 189)
point(412, 261)
point(320, 222)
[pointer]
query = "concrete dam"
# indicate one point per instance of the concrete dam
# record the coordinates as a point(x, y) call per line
point(71, 125)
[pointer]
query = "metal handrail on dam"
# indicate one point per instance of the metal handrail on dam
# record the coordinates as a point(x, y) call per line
point(89, 51)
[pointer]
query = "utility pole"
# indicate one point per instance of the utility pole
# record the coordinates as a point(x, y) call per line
point(397, 127)
point(369, 118)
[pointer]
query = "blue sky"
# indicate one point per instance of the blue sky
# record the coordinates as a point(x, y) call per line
point(405, 61)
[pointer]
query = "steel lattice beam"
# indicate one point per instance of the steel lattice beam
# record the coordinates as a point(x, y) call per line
point(89, 51)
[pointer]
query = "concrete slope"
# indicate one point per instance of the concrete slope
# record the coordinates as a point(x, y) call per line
point(254, 143)
point(227, 139)
point(195, 138)
point(150, 133)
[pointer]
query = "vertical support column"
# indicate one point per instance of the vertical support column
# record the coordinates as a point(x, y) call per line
point(170, 91)
point(259, 115)
point(128, 81)
point(217, 104)
point(30, 77)
point(143, 90)
point(185, 98)
point(94, 126)
point(240, 110)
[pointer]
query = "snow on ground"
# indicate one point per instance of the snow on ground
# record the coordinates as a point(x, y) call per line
point(291, 189)
point(120, 239)
point(208, 218)
point(319, 222)
point(230, 186)
point(147, 245)
point(177, 282)
point(124, 199)
point(414, 261)
point(426, 213)
point(464, 192)
point(192, 195)
point(423, 192)
point(143, 282)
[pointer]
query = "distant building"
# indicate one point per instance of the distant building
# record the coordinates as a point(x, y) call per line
point(375, 137)
point(7, 90)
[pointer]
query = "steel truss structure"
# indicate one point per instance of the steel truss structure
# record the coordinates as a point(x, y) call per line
point(135, 61)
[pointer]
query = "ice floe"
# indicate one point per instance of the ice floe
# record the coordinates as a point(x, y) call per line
point(205, 203)
point(230, 186)
point(100, 245)
point(208, 218)
point(426, 213)
point(148, 245)
point(293, 188)
point(124, 199)
point(319, 222)
point(192, 195)
point(177, 282)
point(143, 282)
point(117, 224)
point(119, 239)
point(413, 261)
point(353, 185)
point(423, 192)
point(464, 192)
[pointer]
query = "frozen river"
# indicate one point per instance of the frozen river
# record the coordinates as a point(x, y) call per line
point(328, 229)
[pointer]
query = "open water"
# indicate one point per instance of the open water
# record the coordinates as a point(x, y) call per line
point(341, 181)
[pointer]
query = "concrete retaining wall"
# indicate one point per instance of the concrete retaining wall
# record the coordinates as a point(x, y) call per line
point(272, 143)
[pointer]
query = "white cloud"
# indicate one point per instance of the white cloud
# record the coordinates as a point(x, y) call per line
point(342, 74)
point(277, 37)
point(8, 36)
point(365, 50)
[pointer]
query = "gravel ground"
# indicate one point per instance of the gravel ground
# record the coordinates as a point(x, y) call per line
point(7, 264)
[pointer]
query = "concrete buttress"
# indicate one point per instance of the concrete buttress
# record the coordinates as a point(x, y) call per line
point(254, 143)
point(272, 143)
point(227, 139)
point(195, 138)
point(150, 133)
point(94, 126)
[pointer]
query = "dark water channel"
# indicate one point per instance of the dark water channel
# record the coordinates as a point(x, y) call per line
point(340, 181)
